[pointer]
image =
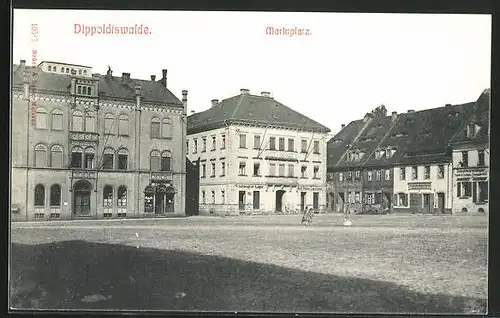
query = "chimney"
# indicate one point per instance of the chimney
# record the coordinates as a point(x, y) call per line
point(343, 126)
point(192, 111)
point(137, 96)
point(215, 102)
point(447, 105)
point(411, 111)
point(125, 78)
point(394, 115)
point(266, 94)
point(22, 63)
point(244, 91)
point(137, 89)
point(153, 78)
point(164, 77)
point(185, 100)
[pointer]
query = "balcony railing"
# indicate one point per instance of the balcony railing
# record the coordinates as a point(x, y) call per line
point(281, 155)
point(83, 136)
point(159, 176)
point(84, 174)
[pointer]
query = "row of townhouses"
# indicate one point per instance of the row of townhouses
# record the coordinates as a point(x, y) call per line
point(430, 161)
point(86, 145)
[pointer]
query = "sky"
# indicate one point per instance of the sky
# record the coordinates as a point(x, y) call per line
point(347, 65)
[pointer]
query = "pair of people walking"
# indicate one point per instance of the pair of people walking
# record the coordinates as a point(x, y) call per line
point(307, 218)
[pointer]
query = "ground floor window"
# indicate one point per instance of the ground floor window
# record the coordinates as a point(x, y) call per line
point(55, 201)
point(256, 200)
point(122, 201)
point(402, 199)
point(482, 191)
point(464, 189)
point(357, 197)
point(370, 198)
point(107, 201)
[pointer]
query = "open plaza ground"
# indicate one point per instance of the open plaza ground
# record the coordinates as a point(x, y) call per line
point(384, 263)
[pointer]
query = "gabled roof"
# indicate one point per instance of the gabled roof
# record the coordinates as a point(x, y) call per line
point(480, 116)
point(338, 145)
point(251, 109)
point(110, 87)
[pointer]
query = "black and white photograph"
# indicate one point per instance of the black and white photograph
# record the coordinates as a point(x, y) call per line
point(238, 161)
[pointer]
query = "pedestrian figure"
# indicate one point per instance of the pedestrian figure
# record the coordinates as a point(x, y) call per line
point(308, 216)
point(347, 219)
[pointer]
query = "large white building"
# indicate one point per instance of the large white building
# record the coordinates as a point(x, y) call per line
point(257, 155)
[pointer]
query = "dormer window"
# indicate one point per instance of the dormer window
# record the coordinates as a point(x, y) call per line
point(50, 68)
point(471, 131)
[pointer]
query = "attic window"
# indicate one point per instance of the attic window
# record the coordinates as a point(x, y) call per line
point(410, 121)
point(378, 153)
point(453, 114)
point(472, 130)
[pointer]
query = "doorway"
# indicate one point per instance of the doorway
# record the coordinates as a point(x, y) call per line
point(241, 200)
point(279, 200)
point(159, 202)
point(256, 200)
point(441, 202)
point(331, 201)
point(81, 198)
point(315, 201)
point(302, 201)
point(427, 203)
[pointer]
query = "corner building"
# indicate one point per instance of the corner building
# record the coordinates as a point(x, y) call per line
point(96, 146)
point(257, 156)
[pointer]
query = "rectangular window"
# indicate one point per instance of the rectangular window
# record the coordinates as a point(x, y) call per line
point(357, 175)
point(272, 143)
point(316, 200)
point(223, 196)
point(465, 159)
point(56, 159)
point(316, 172)
point(123, 127)
point(402, 199)
point(414, 173)
point(243, 141)
point(195, 146)
point(256, 142)
point(203, 196)
point(107, 162)
point(466, 189)
point(480, 158)
point(482, 191)
point(223, 142)
point(379, 175)
point(77, 123)
point(223, 169)
point(357, 197)
point(213, 169)
point(213, 197)
point(440, 171)
point(89, 160)
point(281, 144)
point(203, 170)
point(370, 175)
point(316, 147)
point(122, 162)
point(272, 169)
point(387, 174)
point(349, 176)
point(57, 121)
point(402, 173)
point(341, 176)
point(243, 169)
point(204, 144)
point(427, 172)
point(40, 158)
point(303, 146)
point(155, 163)
point(256, 200)
point(256, 169)
point(89, 124)
point(303, 172)
point(155, 129)
point(290, 170)
point(370, 198)
point(214, 143)
point(187, 147)
point(291, 144)
point(282, 170)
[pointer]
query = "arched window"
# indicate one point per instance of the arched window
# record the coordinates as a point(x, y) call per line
point(166, 157)
point(39, 195)
point(84, 90)
point(107, 196)
point(55, 195)
point(166, 129)
point(154, 160)
point(155, 128)
point(57, 119)
point(79, 72)
point(41, 118)
point(89, 158)
point(40, 155)
point(89, 122)
point(76, 157)
point(67, 69)
point(122, 159)
point(54, 68)
point(108, 158)
point(50, 68)
point(89, 90)
point(123, 126)
point(122, 196)
point(77, 120)
point(85, 72)
point(56, 156)
point(108, 124)
point(79, 89)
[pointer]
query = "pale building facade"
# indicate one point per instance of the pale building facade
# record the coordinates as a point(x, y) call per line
point(95, 146)
point(252, 166)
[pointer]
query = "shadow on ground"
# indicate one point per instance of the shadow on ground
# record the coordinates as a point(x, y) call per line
point(83, 275)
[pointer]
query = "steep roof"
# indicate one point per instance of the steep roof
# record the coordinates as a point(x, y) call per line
point(480, 116)
point(110, 87)
point(422, 136)
point(251, 109)
point(338, 145)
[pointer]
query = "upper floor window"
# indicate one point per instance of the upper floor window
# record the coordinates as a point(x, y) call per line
point(256, 142)
point(76, 157)
point(154, 160)
point(89, 162)
point(427, 172)
point(370, 175)
point(223, 142)
point(414, 173)
point(108, 158)
point(40, 155)
point(480, 158)
point(316, 146)
point(303, 172)
point(379, 175)
point(166, 128)
point(272, 169)
point(357, 175)
point(281, 144)
point(291, 144)
point(471, 130)
point(387, 174)
point(256, 169)
point(272, 143)
point(56, 156)
point(316, 172)
point(204, 144)
point(303, 146)
point(242, 169)
point(440, 172)
point(203, 170)
point(83, 122)
point(54, 69)
point(108, 124)
point(402, 173)
point(243, 141)
point(50, 68)
point(195, 145)
point(341, 176)
point(79, 72)
point(166, 158)
point(41, 118)
point(291, 170)
point(122, 159)
point(67, 70)
point(223, 169)
point(281, 170)
point(57, 119)
point(214, 143)
point(213, 169)
point(155, 128)
point(465, 158)
point(123, 125)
